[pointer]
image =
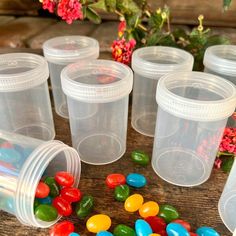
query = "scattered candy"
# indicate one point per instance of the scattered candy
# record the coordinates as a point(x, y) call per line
point(123, 230)
point(36, 203)
point(142, 228)
point(63, 207)
point(9, 155)
point(71, 194)
point(53, 185)
point(140, 157)
point(185, 224)
point(174, 229)
point(64, 179)
point(47, 200)
point(206, 231)
point(154, 234)
point(114, 180)
point(63, 228)
point(133, 202)
point(74, 234)
point(104, 233)
point(46, 213)
point(84, 207)
point(98, 223)
point(168, 213)
point(42, 190)
point(121, 192)
point(136, 180)
point(150, 208)
point(157, 224)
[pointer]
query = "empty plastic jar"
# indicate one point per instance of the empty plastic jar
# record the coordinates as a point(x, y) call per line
point(221, 60)
point(24, 161)
point(97, 95)
point(193, 108)
point(25, 105)
point(60, 52)
point(227, 202)
point(149, 64)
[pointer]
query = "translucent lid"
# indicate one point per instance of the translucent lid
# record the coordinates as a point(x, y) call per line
point(196, 96)
point(153, 62)
point(68, 49)
point(21, 71)
point(221, 59)
point(97, 81)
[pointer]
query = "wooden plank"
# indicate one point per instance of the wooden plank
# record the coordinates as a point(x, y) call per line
point(6, 19)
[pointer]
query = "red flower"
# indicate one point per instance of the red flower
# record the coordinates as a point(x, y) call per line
point(228, 142)
point(70, 10)
point(122, 50)
point(121, 28)
point(218, 163)
point(49, 5)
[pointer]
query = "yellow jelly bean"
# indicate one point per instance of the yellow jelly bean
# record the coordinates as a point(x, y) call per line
point(133, 202)
point(98, 223)
point(154, 234)
point(150, 208)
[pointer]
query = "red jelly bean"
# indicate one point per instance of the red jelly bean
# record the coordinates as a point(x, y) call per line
point(63, 207)
point(185, 224)
point(163, 233)
point(114, 180)
point(6, 145)
point(65, 179)
point(42, 190)
point(71, 194)
point(63, 228)
point(157, 224)
point(192, 234)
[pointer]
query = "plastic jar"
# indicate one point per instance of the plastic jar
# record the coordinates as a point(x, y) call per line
point(20, 173)
point(227, 202)
point(60, 52)
point(97, 95)
point(193, 108)
point(221, 60)
point(149, 64)
point(25, 105)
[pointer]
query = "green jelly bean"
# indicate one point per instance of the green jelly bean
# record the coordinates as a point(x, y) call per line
point(121, 192)
point(140, 157)
point(36, 203)
point(168, 213)
point(54, 187)
point(46, 213)
point(123, 230)
point(84, 207)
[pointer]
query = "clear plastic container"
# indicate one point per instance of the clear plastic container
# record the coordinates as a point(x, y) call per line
point(24, 161)
point(25, 105)
point(221, 60)
point(193, 108)
point(60, 52)
point(97, 95)
point(227, 202)
point(149, 64)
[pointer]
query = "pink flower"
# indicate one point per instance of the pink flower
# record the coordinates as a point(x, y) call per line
point(70, 10)
point(121, 28)
point(218, 163)
point(122, 50)
point(49, 5)
point(228, 142)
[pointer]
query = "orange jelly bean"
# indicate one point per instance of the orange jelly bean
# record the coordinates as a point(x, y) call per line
point(133, 202)
point(150, 208)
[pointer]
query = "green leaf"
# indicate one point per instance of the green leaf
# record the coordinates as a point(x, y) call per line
point(99, 5)
point(226, 4)
point(216, 40)
point(167, 40)
point(110, 5)
point(155, 21)
point(180, 33)
point(92, 15)
point(132, 21)
point(128, 7)
point(227, 164)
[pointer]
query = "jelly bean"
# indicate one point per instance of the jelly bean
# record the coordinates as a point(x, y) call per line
point(121, 192)
point(140, 157)
point(133, 202)
point(174, 229)
point(114, 180)
point(154, 234)
point(123, 230)
point(36, 203)
point(84, 207)
point(46, 213)
point(53, 185)
point(185, 224)
point(104, 233)
point(46, 200)
point(157, 224)
point(71, 194)
point(9, 155)
point(142, 228)
point(163, 233)
point(63, 207)
point(6, 144)
point(168, 213)
point(64, 179)
point(206, 231)
point(136, 180)
point(74, 234)
point(42, 190)
point(192, 234)
point(98, 223)
point(63, 228)
point(150, 208)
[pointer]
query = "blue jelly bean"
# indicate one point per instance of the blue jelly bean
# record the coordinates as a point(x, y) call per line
point(142, 228)
point(9, 155)
point(46, 200)
point(174, 229)
point(206, 231)
point(104, 233)
point(136, 180)
point(74, 234)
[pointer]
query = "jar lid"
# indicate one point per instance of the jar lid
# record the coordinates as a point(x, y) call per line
point(196, 96)
point(221, 59)
point(155, 61)
point(21, 71)
point(97, 81)
point(68, 49)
